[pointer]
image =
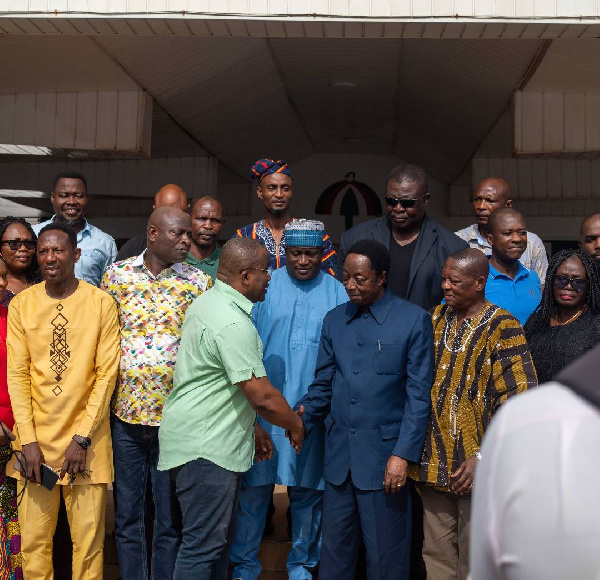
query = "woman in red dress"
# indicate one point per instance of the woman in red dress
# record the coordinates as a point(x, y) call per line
point(10, 534)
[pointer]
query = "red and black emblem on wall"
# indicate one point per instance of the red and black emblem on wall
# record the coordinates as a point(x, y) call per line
point(353, 197)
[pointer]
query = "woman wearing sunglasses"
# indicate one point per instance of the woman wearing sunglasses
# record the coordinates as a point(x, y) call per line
point(17, 246)
point(566, 323)
point(10, 534)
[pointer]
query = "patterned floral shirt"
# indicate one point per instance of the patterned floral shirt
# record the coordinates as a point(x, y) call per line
point(151, 313)
point(262, 233)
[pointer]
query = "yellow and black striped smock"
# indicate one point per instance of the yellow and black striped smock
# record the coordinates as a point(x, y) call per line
point(477, 368)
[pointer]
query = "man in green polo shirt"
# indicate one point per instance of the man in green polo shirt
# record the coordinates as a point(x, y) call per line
point(207, 223)
point(207, 431)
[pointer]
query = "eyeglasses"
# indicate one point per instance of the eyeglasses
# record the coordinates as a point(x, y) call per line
point(405, 203)
point(14, 245)
point(578, 284)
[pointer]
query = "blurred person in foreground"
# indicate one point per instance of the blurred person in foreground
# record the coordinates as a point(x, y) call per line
point(481, 360)
point(535, 502)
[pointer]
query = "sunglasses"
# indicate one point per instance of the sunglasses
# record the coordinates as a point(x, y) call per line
point(14, 245)
point(578, 284)
point(405, 203)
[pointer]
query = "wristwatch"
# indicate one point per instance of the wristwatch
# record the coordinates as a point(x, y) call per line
point(84, 442)
point(478, 455)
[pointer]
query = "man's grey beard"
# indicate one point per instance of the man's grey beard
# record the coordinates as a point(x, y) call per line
point(277, 212)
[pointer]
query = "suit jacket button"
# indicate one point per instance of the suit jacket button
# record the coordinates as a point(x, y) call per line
point(353, 431)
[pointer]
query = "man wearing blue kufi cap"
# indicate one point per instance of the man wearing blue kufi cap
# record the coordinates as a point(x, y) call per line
point(289, 324)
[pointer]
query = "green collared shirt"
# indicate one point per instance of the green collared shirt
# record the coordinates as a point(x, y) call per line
point(209, 265)
point(206, 415)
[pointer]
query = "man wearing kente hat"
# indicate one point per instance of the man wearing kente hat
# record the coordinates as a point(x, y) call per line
point(275, 190)
point(289, 324)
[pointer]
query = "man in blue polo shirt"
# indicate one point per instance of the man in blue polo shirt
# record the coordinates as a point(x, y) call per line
point(510, 285)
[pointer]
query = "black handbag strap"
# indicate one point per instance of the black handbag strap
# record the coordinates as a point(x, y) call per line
point(583, 377)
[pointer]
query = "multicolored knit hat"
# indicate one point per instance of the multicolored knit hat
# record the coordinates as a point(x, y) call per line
point(304, 234)
point(264, 167)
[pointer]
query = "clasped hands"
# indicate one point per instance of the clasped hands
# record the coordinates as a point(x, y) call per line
point(74, 463)
point(263, 446)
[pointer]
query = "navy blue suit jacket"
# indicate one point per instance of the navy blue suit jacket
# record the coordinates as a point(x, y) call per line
point(373, 377)
point(434, 244)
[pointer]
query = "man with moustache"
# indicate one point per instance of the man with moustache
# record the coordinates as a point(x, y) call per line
point(69, 199)
point(275, 190)
point(511, 285)
point(289, 324)
point(491, 194)
point(207, 223)
point(152, 292)
point(371, 387)
point(63, 358)
point(418, 246)
point(220, 384)
point(589, 236)
point(168, 195)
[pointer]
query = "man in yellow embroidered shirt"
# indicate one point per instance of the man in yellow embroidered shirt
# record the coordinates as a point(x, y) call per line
point(63, 357)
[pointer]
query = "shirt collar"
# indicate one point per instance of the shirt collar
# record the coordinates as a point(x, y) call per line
point(522, 272)
point(86, 226)
point(238, 299)
point(138, 262)
point(379, 310)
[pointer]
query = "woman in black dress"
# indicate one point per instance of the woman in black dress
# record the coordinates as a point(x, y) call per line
point(567, 322)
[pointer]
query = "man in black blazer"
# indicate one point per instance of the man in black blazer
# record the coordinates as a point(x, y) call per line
point(418, 246)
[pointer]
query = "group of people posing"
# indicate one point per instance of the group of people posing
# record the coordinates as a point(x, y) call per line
point(374, 373)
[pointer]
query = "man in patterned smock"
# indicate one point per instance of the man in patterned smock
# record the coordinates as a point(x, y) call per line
point(275, 190)
point(481, 359)
point(153, 292)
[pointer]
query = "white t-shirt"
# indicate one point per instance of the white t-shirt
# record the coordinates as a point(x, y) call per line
point(536, 502)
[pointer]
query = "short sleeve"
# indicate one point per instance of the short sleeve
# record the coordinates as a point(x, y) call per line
point(241, 353)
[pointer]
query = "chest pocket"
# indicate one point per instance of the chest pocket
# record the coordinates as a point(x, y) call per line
point(390, 358)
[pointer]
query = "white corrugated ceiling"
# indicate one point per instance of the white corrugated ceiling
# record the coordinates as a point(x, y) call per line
point(429, 101)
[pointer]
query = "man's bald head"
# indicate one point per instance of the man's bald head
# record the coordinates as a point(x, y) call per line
point(169, 235)
point(171, 195)
point(471, 262)
point(240, 254)
point(244, 264)
point(491, 194)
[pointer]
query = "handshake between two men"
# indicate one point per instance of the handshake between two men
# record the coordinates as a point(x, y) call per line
point(271, 405)
point(264, 446)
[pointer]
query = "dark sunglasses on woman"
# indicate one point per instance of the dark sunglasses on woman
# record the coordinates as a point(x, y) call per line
point(14, 245)
point(578, 284)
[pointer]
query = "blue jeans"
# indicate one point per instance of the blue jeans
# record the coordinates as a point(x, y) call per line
point(208, 495)
point(135, 452)
point(306, 506)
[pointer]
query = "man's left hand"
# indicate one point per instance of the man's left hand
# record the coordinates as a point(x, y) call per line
point(396, 471)
point(74, 460)
point(464, 476)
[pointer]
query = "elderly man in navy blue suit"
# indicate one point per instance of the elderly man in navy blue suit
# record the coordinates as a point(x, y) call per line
point(372, 383)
